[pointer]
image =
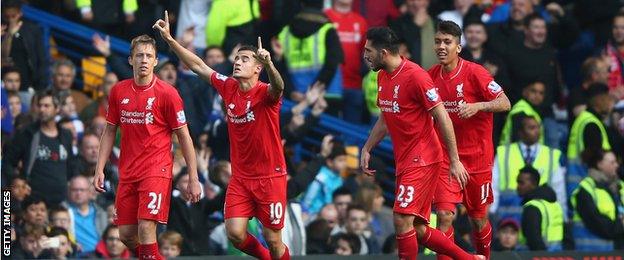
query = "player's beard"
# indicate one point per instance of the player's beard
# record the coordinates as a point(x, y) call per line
point(376, 63)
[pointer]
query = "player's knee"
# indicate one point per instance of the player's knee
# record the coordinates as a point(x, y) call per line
point(236, 235)
point(128, 237)
point(273, 241)
point(445, 219)
point(403, 223)
point(478, 222)
point(421, 229)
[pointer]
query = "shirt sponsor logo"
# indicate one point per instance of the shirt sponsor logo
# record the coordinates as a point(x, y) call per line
point(181, 117)
point(389, 106)
point(246, 118)
point(125, 101)
point(453, 106)
point(432, 94)
point(136, 117)
point(150, 103)
point(221, 77)
point(460, 90)
point(494, 87)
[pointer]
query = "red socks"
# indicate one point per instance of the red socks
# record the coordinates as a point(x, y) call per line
point(450, 234)
point(408, 245)
point(252, 247)
point(437, 241)
point(482, 240)
point(149, 252)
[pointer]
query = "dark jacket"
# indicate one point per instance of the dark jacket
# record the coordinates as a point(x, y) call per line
point(34, 68)
point(308, 22)
point(19, 150)
point(532, 218)
point(598, 224)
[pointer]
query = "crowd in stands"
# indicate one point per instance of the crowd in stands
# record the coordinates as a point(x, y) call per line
point(557, 174)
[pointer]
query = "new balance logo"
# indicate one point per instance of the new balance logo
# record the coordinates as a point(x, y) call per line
point(125, 101)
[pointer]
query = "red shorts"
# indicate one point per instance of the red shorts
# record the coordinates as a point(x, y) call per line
point(476, 196)
point(263, 198)
point(414, 191)
point(147, 199)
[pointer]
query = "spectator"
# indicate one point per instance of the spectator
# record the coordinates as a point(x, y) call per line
point(60, 217)
point(30, 245)
point(67, 124)
point(595, 71)
point(87, 160)
point(506, 235)
point(612, 51)
point(107, 16)
point(312, 62)
point(97, 126)
point(318, 237)
point(597, 16)
point(513, 157)
point(529, 104)
point(345, 244)
point(503, 33)
point(342, 198)
point(35, 213)
point(193, 15)
point(11, 80)
point(358, 220)
point(327, 181)
point(588, 133)
point(597, 205)
point(329, 213)
point(100, 106)
point(464, 11)
point(68, 111)
point(370, 196)
point(376, 12)
point(89, 220)
point(417, 28)
point(390, 246)
point(542, 216)
point(15, 105)
point(231, 22)
point(170, 244)
point(19, 191)
point(221, 173)
point(111, 247)
point(351, 28)
point(63, 76)
point(64, 249)
point(476, 51)
point(45, 152)
point(22, 47)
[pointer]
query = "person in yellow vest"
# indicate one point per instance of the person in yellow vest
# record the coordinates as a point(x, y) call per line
point(510, 158)
point(231, 22)
point(542, 216)
point(532, 98)
point(598, 205)
point(588, 133)
point(313, 53)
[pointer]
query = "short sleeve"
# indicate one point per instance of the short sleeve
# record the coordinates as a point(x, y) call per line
point(174, 111)
point(112, 114)
point(218, 81)
point(424, 91)
point(482, 79)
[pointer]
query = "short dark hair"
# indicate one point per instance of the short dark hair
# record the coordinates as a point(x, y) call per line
point(108, 229)
point(530, 18)
point(383, 38)
point(212, 47)
point(592, 157)
point(352, 239)
point(49, 93)
point(532, 172)
point(338, 149)
point(142, 39)
point(342, 191)
point(32, 200)
point(252, 48)
point(8, 70)
point(11, 4)
point(57, 209)
point(57, 231)
point(449, 27)
point(475, 22)
point(355, 206)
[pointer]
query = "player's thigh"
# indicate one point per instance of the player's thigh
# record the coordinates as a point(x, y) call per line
point(239, 201)
point(448, 192)
point(270, 197)
point(478, 194)
point(415, 190)
point(126, 204)
point(154, 199)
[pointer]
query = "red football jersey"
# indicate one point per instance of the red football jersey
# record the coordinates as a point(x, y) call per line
point(405, 97)
point(253, 127)
point(351, 28)
point(469, 83)
point(147, 116)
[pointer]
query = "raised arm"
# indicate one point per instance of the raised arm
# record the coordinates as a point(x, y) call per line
point(445, 126)
point(195, 63)
point(277, 83)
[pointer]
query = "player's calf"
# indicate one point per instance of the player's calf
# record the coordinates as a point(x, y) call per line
point(276, 246)
point(236, 230)
point(129, 235)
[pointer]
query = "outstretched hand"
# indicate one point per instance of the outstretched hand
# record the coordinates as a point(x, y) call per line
point(263, 56)
point(163, 27)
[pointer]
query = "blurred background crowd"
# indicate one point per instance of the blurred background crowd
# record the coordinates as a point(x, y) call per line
point(557, 173)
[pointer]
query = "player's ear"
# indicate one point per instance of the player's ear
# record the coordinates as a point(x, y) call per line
point(459, 48)
point(130, 59)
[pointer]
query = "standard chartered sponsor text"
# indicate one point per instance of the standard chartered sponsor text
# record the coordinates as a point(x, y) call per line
point(132, 117)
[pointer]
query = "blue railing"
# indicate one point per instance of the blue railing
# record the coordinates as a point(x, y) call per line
point(79, 38)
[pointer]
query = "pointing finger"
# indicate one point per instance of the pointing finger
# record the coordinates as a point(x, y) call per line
point(166, 17)
point(259, 43)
